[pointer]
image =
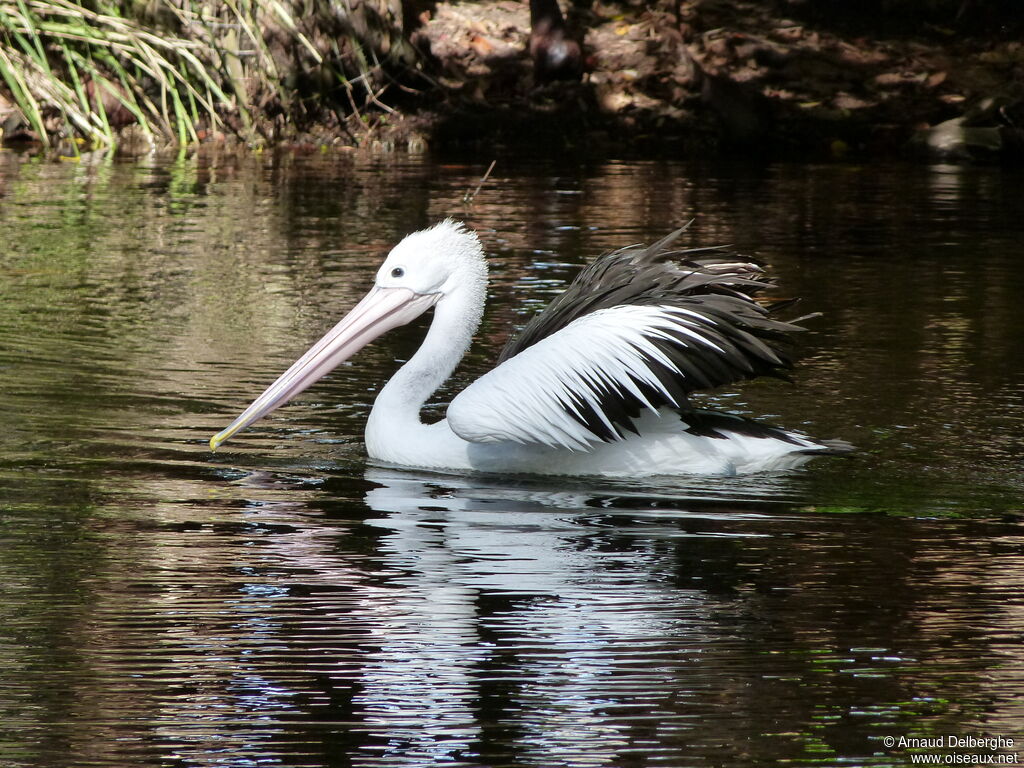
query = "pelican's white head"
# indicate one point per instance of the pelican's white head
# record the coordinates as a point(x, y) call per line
point(443, 266)
point(440, 260)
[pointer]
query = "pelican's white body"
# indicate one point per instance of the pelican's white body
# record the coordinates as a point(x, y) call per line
point(395, 433)
point(662, 448)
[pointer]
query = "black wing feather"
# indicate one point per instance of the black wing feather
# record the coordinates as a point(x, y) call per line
point(720, 293)
point(654, 274)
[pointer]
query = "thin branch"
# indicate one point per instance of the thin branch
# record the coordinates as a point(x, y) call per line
point(468, 198)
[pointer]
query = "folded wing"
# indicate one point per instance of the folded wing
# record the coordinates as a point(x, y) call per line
point(639, 329)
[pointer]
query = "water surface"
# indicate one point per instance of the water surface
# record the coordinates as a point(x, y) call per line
point(284, 603)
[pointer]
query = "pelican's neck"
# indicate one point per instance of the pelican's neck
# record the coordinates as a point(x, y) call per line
point(395, 418)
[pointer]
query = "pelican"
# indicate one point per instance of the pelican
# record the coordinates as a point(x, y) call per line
point(596, 384)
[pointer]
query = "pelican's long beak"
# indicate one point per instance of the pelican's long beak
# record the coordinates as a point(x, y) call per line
point(380, 310)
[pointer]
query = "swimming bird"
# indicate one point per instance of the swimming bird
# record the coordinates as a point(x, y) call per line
point(595, 384)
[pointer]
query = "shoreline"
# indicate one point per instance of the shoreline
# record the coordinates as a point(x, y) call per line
point(696, 77)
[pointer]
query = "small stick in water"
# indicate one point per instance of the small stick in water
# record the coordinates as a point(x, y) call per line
point(468, 197)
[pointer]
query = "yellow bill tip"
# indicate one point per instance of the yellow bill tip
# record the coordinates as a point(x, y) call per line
point(216, 440)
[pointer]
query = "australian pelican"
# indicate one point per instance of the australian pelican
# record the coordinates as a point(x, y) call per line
point(596, 384)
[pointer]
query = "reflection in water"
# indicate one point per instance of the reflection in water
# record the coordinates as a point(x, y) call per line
point(507, 602)
point(514, 622)
point(280, 603)
point(636, 625)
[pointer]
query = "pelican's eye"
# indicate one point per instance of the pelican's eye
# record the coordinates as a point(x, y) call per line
point(397, 272)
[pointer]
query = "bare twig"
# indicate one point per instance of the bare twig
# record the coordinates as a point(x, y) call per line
point(468, 198)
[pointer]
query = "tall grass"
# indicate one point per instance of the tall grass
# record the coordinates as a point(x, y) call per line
point(177, 68)
point(60, 58)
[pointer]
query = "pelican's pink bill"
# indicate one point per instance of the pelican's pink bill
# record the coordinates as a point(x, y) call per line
point(379, 311)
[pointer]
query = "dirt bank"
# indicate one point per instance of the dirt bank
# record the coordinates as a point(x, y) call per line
point(721, 74)
point(804, 78)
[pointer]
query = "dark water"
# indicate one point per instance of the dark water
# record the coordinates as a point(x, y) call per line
point(283, 603)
